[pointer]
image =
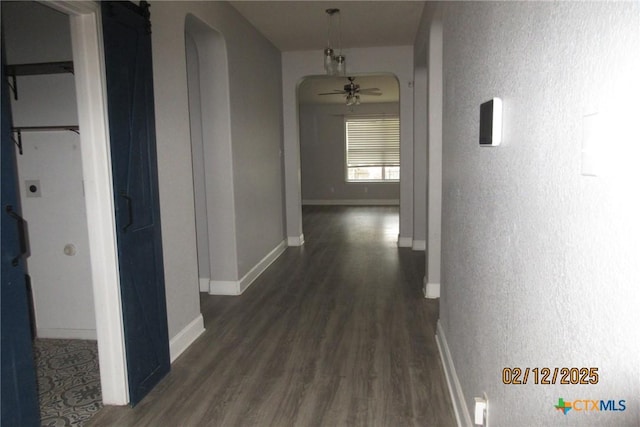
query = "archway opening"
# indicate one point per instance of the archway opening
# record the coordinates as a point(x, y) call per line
point(350, 149)
point(209, 115)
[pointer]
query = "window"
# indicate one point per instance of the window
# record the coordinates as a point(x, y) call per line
point(372, 148)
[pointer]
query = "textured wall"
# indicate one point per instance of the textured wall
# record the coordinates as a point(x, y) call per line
point(540, 263)
point(322, 154)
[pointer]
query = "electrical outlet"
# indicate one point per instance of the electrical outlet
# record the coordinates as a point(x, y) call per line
point(481, 411)
point(33, 188)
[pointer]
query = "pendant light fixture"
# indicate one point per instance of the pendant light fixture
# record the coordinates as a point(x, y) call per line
point(334, 65)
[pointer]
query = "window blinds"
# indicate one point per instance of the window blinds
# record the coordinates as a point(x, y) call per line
point(373, 141)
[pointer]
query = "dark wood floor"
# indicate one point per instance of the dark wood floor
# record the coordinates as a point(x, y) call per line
point(334, 333)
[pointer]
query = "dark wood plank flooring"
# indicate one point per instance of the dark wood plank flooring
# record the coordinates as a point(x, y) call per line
point(334, 333)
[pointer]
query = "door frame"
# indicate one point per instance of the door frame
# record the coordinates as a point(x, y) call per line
point(90, 80)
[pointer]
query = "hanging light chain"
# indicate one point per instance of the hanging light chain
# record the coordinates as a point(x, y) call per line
point(334, 63)
point(339, 32)
point(328, 29)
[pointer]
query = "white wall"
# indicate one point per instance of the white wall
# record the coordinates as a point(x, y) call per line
point(540, 263)
point(419, 155)
point(198, 163)
point(62, 285)
point(397, 60)
point(428, 134)
point(322, 156)
point(256, 132)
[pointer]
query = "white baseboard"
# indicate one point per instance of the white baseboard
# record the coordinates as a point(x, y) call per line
point(204, 284)
point(260, 267)
point(352, 202)
point(237, 287)
point(405, 242)
point(419, 245)
point(455, 390)
point(224, 287)
point(431, 290)
point(67, 334)
point(184, 338)
point(295, 240)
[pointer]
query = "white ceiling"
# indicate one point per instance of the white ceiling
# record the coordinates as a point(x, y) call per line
point(302, 25)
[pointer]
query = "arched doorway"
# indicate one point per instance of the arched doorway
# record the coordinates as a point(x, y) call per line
point(208, 85)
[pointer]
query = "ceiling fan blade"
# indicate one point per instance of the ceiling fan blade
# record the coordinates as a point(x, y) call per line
point(332, 93)
point(371, 93)
point(371, 88)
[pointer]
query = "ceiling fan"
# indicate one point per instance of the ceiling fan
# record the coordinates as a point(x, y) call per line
point(352, 92)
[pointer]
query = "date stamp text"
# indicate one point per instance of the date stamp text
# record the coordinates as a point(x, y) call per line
point(549, 376)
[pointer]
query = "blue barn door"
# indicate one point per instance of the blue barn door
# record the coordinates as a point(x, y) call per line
point(19, 393)
point(127, 48)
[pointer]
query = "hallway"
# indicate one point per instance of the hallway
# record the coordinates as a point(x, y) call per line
point(334, 333)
